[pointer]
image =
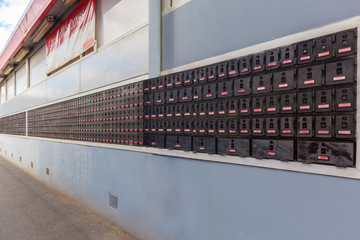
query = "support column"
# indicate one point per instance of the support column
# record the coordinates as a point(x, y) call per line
point(155, 38)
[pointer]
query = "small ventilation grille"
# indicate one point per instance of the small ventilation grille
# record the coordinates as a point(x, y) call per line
point(113, 201)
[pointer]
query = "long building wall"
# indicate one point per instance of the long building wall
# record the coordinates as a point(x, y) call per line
point(163, 197)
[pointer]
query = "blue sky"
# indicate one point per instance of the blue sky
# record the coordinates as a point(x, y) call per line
point(10, 14)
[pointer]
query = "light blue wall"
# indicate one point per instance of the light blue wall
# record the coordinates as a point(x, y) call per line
point(184, 199)
point(206, 28)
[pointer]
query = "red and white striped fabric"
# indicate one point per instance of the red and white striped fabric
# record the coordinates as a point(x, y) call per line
point(72, 37)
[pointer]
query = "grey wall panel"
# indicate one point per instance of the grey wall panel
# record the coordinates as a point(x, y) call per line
point(124, 59)
point(173, 198)
point(30, 98)
point(13, 105)
point(64, 84)
point(7, 108)
point(178, 198)
point(35, 95)
point(202, 28)
point(115, 18)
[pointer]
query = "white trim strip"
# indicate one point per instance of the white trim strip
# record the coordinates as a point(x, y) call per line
point(352, 173)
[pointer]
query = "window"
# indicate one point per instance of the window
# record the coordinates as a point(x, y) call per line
point(21, 79)
point(3, 93)
point(38, 66)
point(10, 87)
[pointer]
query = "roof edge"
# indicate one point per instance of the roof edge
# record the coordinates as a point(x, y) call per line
point(32, 17)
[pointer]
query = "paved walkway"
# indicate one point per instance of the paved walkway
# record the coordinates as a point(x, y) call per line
point(31, 210)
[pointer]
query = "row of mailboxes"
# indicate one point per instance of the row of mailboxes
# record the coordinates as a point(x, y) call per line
point(101, 137)
point(336, 45)
point(334, 73)
point(110, 116)
point(326, 100)
point(15, 124)
point(332, 153)
point(225, 89)
point(324, 126)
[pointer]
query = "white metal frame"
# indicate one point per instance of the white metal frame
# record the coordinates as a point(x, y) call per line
point(298, 37)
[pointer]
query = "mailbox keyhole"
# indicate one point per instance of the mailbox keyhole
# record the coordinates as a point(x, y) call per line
point(323, 150)
point(271, 145)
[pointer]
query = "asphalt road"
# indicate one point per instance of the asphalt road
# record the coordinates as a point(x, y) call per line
point(29, 210)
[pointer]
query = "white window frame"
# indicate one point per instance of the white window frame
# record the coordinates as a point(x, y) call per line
point(26, 77)
point(169, 6)
point(5, 99)
point(7, 93)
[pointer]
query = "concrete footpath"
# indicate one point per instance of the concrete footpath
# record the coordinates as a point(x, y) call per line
point(31, 210)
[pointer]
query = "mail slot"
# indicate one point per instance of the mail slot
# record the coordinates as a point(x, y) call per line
point(273, 149)
point(185, 94)
point(242, 86)
point(179, 142)
point(225, 89)
point(345, 99)
point(233, 67)
point(324, 100)
point(204, 144)
point(323, 126)
point(305, 102)
point(245, 105)
point(272, 59)
point(287, 55)
point(284, 80)
point(344, 126)
point(305, 126)
point(262, 84)
point(245, 65)
point(340, 154)
point(272, 126)
point(310, 76)
point(272, 104)
point(233, 146)
point(258, 126)
point(340, 72)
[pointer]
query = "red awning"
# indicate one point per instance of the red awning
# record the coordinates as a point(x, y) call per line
point(31, 20)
